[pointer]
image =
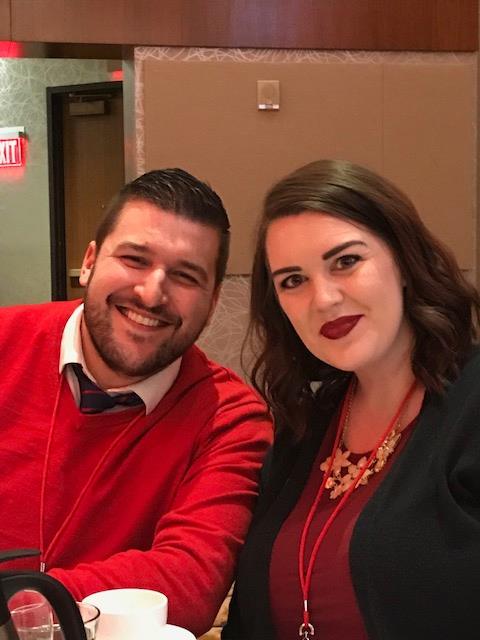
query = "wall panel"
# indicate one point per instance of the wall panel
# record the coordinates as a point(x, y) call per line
point(411, 120)
point(432, 25)
point(208, 123)
point(5, 33)
point(430, 147)
point(440, 25)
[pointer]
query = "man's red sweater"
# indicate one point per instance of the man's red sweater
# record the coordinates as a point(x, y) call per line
point(160, 501)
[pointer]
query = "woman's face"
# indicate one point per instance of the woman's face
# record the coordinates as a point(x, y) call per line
point(341, 289)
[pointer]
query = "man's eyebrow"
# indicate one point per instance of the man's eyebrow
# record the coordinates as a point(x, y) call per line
point(133, 246)
point(333, 252)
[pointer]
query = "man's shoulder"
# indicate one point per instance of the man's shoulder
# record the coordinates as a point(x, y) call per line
point(221, 403)
point(198, 369)
point(196, 360)
point(33, 316)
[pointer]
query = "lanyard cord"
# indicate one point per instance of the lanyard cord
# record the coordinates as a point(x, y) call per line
point(306, 628)
point(44, 472)
point(46, 552)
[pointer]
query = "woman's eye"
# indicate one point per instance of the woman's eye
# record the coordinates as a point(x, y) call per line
point(293, 281)
point(345, 262)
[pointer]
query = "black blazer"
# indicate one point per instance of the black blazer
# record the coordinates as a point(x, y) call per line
point(415, 549)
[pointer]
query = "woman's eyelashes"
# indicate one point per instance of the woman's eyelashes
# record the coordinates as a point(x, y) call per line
point(292, 281)
point(340, 263)
point(346, 261)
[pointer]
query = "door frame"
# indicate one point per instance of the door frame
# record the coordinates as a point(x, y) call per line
point(55, 96)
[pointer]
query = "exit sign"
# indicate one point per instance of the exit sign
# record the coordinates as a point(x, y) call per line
point(11, 146)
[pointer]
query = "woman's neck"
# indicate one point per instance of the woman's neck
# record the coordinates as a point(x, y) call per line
point(376, 400)
point(381, 391)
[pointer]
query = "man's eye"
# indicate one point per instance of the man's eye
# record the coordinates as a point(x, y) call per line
point(292, 282)
point(347, 261)
point(183, 276)
point(133, 260)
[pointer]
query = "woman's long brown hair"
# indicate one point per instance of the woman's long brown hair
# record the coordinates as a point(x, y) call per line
point(442, 307)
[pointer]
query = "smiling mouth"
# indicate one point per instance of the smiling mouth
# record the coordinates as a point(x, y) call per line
point(144, 321)
point(340, 327)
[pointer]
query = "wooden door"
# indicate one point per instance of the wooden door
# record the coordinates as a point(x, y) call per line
point(86, 150)
point(93, 171)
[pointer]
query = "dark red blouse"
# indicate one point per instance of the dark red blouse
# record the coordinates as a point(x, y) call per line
point(333, 607)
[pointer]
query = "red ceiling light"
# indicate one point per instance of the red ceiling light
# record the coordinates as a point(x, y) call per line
point(10, 49)
point(117, 74)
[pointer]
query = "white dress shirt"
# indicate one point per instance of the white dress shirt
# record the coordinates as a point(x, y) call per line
point(151, 390)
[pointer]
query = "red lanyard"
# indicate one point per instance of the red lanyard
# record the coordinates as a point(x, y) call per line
point(306, 629)
point(45, 552)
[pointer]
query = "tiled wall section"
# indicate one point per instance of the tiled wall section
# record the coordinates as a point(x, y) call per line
point(223, 337)
point(24, 202)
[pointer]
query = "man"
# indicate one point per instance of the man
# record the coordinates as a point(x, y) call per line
point(156, 492)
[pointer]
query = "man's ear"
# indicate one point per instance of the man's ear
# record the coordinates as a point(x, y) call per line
point(88, 263)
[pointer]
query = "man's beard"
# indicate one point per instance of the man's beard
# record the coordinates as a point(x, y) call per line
point(99, 326)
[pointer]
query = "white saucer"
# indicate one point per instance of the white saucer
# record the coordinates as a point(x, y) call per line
point(165, 632)
point(172, 632)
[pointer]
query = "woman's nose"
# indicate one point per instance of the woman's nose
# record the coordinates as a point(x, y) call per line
point(152, 288)
point(326, 293)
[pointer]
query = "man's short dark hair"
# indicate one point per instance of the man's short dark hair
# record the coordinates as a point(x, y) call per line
point(179, 192)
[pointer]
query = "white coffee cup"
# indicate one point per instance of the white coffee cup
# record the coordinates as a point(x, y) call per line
point(129, 614)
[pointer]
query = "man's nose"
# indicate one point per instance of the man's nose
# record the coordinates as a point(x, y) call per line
point(326, 293)
point(152, 289)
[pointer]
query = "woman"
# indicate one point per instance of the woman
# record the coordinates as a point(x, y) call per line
point(369, 521)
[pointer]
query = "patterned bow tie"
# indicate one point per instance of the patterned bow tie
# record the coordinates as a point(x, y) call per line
point(95, 400)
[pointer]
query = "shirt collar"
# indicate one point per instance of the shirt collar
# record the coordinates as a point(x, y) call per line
point(151, 390)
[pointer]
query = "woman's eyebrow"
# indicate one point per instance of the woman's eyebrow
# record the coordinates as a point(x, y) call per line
point(328, 254)
point(332, 252)
point(278, 272)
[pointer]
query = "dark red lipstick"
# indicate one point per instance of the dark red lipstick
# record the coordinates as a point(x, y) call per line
point(339, 328)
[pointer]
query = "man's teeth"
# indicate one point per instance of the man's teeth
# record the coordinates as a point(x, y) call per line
point(136, 317)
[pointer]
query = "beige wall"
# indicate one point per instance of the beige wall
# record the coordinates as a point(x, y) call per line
point(412, 117)
point(409, 117)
